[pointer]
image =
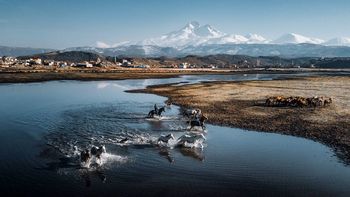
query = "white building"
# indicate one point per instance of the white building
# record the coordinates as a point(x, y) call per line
point(143, 66)
point(37, 61)
point(126, 63)
point(8, 60)
point(62, 64)
point(84, 64)
point(184, 65)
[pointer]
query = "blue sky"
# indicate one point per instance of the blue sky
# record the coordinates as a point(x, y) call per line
point(66, 23)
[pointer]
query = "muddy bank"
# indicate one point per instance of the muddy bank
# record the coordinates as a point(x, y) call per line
point(38, 75)
point(83, 76)
point(240, 104)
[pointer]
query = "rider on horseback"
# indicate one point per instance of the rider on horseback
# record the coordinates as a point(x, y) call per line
point(155, 109)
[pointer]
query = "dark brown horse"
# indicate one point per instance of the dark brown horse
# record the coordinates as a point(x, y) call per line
point(198, 123)
point(154, 112)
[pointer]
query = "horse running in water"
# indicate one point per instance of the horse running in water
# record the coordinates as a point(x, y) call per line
point(87, 154)
point(190, 139)
point(192, 113)
point(166, 138)
point(156, 112)
point(198, 122)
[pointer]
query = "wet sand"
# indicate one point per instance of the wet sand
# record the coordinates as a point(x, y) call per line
point(241, 104)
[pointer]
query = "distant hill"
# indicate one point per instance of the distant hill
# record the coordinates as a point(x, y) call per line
point(282, 50)
point(20, 51)
point(332, 62)
point(70, 56)
point(220, 60)
point(226, 61)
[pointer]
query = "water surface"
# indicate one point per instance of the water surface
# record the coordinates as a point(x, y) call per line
point(42, 122)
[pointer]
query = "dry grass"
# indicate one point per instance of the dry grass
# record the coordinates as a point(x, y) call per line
point(239, 104)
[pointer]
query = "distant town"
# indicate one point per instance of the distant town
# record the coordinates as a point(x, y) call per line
point(13, 62)
point(77, 60)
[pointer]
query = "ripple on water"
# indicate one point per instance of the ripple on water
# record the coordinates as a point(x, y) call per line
point(115, 126)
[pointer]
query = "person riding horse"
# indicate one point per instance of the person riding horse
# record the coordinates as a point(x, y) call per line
point(198, 122)
point(156, 111)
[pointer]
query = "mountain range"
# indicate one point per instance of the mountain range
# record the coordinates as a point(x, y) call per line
point(19, 51)
point(196, 39)
point(194, 34)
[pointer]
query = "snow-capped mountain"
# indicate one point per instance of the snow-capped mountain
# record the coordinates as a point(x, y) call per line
point(194, 34)
point(293, 38)
point(196, 39)
point(340, 41)
point(255, 38)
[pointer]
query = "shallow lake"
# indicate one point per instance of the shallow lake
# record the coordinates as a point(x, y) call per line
point(41, 123)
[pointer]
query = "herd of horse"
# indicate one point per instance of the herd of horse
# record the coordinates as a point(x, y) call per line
point(195, 116)
point(195, 119)
point(297, 101)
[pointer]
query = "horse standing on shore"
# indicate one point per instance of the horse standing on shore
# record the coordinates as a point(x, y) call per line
point(156, 112)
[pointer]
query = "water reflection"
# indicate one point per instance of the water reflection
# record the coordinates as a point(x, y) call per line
point(165, 152)
point(195, 153)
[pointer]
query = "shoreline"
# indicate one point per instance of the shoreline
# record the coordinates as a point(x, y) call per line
point(254, 116)
point(239, 104)
point(28, 76)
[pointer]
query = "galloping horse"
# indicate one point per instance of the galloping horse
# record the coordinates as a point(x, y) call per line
point(97, 151)
point(198, 123)
point(192, 113)
point(165, 138)
point(190, 139)
point(154, 112)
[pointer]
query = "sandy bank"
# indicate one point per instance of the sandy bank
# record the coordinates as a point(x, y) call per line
point(239, 104)
point(12, 75)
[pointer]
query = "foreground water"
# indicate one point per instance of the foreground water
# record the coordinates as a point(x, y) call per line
point(42, 122)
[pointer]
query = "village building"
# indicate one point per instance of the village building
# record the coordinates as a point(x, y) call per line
point(35, 61)
point(184, 65)
point(62, 64)
point(7, 60)
point(84, 64)
point(143, 66)
point(126, 63)
point(48, 63)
